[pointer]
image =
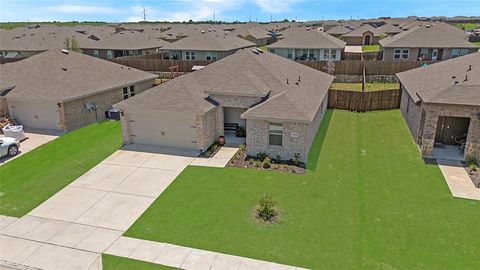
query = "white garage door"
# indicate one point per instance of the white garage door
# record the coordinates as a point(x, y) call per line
point(176, 130)
point(43, 115)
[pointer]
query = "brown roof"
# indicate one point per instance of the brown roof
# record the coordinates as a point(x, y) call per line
point(451, 81)
point(53, 75)
point(362, 29)
point(304, 38)
point(126, 40)
point(338, 30)
point(243, 73)
point(209, 41)
point(429, 35)
point(389, 29)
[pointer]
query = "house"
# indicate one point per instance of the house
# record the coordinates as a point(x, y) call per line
point(259, 36)
point(429, 41)
point(338, 31)
point(205, 45)
point(389, 30)
point(441, 105)
point(308, 44)
point(279, 103)
point(124, 43)
point(62, 90)
point(363, 35)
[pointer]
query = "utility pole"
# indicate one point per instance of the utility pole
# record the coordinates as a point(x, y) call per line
point(271, 18)
point(249, 17)
point(214, 16)
point(144, 14)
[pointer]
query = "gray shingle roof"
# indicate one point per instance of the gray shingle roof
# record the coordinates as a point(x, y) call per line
point(243, 72)
point(429, 35)
point(53, 75)
point(362, 29)
point(338, 30)
point(209, 41)
point(437, 83)
point(309, 39)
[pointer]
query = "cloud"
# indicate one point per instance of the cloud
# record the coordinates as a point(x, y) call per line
point(82, 9)
point(276, 6)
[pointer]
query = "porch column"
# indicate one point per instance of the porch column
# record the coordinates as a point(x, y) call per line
point(219, 122)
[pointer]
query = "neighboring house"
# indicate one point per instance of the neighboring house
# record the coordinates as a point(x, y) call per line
point(279, 102)
point(338, 31)
point(61, 90)
point(441, 105)
point(205, 45)
point(125, 43)
point(363, 35)
point(309, 44)
point(259, 36)
point(389, 30)
point(430, 41)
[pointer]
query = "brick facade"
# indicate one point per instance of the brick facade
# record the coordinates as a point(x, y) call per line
point(3, 106)
point(422, 120)
point(73, 114)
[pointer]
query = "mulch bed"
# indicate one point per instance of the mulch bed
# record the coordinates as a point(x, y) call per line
point(241, 160)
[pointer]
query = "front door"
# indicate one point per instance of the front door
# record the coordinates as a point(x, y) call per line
point(367, 40)
point(451, 130)
point(434, 54)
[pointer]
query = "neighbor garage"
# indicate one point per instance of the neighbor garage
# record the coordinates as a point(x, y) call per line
point(163, 129)
point(35, 114)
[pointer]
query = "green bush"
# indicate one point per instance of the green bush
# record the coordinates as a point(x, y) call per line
point(251, 161)
point(473, 165)
point(242, 147)
point(240, 132)
point(266, 163)
point(262, 156)
point(296, 159)
point(257, 163)
point(266, 210)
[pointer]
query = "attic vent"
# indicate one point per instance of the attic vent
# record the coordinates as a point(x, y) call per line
point(453, 77)
point(64, 68)
point(65, 51)
point(203, 31)
point(255, 51)
point(259, 50)
point(428, 26)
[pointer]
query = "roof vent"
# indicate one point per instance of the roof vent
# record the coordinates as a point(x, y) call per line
point(453, 77)
point(203, 31)
point(428, 26)
point(259, 50)
point(255, 51)
point(466, 78)
point(456, 82)
point(65, 51)
point(64, 68)
point(469, 68)
point(287, 80)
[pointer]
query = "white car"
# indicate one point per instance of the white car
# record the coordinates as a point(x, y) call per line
point(9, 146)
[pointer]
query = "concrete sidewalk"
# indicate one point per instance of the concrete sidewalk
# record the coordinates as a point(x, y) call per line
point(457, 179)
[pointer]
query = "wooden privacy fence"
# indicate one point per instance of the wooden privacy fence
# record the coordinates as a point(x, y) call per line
point(160, 65)
point(364, 101)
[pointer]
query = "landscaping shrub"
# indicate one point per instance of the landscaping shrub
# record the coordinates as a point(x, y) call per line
point(266, 163)
point(296, 159)
point(257, 163)
point(266, 210)
point(262, 156)
point(240, 132)
point(473, 165)
point(242, 147)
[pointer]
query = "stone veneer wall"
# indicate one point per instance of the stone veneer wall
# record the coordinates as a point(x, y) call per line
point(433, 111)
point(258, 139)
point(73, 114)
point(3, 106)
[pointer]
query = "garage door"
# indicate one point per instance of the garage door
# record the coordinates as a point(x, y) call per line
point(43, 115)
point(170, 129)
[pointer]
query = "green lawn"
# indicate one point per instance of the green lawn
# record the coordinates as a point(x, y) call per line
point(367, 201)
point(110, 262)
point(477, 43)
point(371, 48)
point(34, 177)
point(373, 86)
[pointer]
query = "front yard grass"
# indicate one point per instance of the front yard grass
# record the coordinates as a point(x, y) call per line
point(110, 262)
point(371, 48)
point(369, 87)
point(367, 201)
point(34, 177)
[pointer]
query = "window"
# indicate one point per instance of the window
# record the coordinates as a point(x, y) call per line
point(189, 55)
point(401, 54)
point(311, 53)
point(272, 50)
point(109, 54)
point(459, 52)
point(326, 54)
point(333, 54)
point(424, 53)
point(290, 53)
point(132, 90)
point(125, 92)
point(275, 134)
point(95, 53)
point(211, 56)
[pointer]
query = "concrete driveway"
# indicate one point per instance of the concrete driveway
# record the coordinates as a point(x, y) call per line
point(34, 140)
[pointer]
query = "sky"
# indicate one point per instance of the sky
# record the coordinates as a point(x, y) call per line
point(227, 10)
